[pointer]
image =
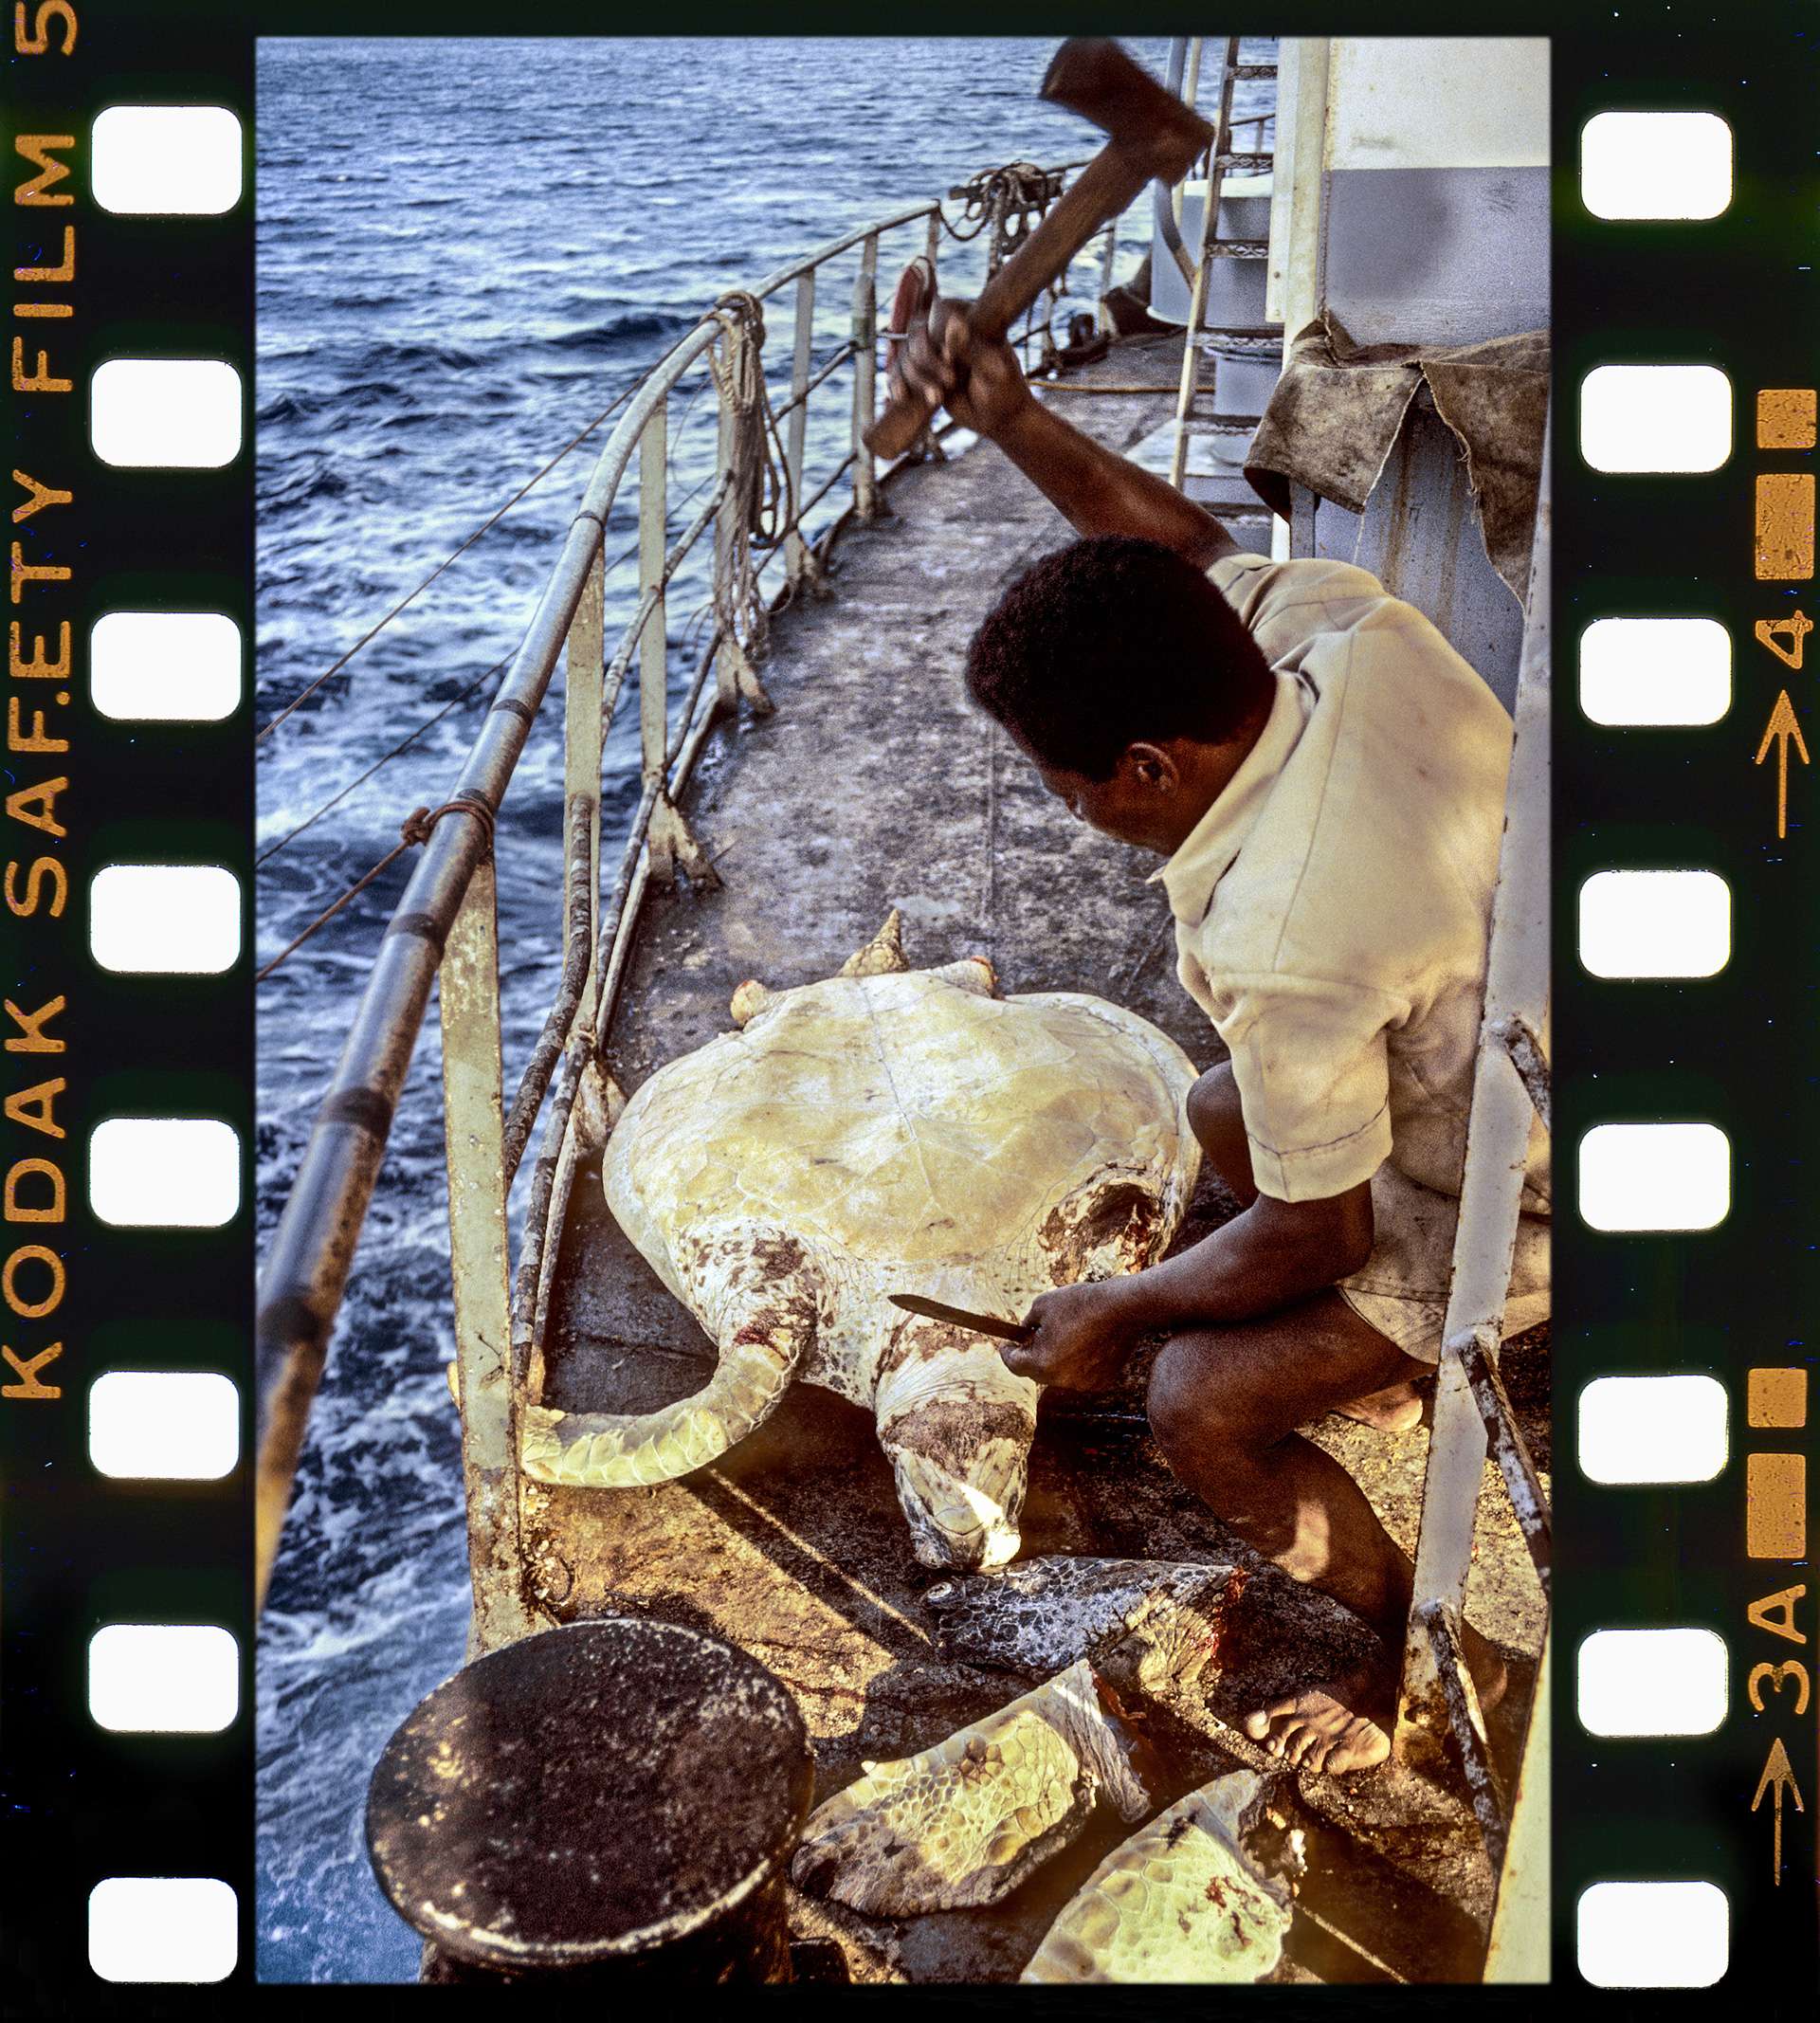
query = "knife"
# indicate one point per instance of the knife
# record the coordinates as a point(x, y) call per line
point(958, 1317)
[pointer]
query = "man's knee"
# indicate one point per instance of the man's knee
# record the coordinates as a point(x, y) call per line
point(1217, 1119)
point(1194, 1408)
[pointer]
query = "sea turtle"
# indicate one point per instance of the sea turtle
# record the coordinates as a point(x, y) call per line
point(887, 1130)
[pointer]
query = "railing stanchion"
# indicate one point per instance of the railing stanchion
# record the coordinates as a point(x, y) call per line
point(474, 1143)
point(865, 330)
point(583, 729)
point(797, 563)
point(730, 529)
point(653, 647)
point(666, 833)
point(1103, 315)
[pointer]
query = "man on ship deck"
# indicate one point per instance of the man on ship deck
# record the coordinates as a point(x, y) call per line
point(1325, 777)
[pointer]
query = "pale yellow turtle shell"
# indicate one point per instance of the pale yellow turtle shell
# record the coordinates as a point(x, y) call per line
point(910, 1120)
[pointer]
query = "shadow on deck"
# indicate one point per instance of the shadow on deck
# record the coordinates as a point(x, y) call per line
point(875, 785)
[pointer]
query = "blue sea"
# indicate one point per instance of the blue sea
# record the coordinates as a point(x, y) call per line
point(466, 249)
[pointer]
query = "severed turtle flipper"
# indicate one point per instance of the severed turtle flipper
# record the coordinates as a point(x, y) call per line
point(963, 1823)
point(1039, 1614)
point(1180, 1901)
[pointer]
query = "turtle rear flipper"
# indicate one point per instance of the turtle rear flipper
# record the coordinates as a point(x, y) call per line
point(762, 1294)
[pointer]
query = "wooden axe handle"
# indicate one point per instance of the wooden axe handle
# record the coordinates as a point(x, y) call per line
point(1100, 193)
point(1102, 190)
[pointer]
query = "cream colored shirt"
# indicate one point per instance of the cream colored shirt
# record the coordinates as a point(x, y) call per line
point(1332, 906)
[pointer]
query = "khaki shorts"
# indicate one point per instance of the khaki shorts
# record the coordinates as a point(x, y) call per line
point(1402, 1287)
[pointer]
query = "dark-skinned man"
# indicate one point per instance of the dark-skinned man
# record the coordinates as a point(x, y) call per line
point(1325, 777)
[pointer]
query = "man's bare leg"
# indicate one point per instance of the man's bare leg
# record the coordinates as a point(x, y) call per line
point(1217, 1120)
point(1393, 1409)
point(1224, 1406)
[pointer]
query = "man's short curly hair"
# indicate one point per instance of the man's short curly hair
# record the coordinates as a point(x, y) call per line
point(1108, 641)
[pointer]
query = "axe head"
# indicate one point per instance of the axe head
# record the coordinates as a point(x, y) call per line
point(1095, 78)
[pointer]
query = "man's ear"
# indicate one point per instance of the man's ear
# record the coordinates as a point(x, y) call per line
point(1152, 767)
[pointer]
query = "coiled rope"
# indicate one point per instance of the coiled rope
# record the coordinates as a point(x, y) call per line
point(761, 491)
point(1010, 200)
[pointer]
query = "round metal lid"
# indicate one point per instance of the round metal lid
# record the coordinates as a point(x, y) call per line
point(594, 1791)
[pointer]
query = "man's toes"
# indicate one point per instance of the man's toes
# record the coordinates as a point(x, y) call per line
point(1302, 1741)
point(1258, 1722)
point(1321, 1749)
point(1285, 1739)
point(1363, 1744)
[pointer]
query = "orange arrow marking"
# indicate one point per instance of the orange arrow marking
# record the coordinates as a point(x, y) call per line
point(1777, 1774)
point(1782, 726)
point(1798, 625)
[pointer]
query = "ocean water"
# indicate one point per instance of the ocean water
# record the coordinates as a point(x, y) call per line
point(466, 249)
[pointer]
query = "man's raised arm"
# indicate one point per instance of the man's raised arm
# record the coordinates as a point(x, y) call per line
point(1097, 490)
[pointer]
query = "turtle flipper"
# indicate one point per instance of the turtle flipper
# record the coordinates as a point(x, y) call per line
point(762, 1308)
point(1180, 1901)
point(963, 1823)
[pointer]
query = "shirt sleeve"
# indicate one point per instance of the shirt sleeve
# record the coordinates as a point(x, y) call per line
point(1312, 1065)
point(1284, 604)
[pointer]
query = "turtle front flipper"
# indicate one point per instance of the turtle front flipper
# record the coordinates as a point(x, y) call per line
point(964, 1823)
point(1180, 1901)
point(759, 1297)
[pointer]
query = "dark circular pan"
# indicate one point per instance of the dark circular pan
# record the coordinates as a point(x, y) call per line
point(595, 1793)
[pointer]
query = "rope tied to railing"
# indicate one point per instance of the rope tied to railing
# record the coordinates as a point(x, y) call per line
point(1010, 200)
point(758, 471)
point(420, 824)
point(417, 828)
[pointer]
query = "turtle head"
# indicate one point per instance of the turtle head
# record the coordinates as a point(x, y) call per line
point(957, 1426)
point(882, 956)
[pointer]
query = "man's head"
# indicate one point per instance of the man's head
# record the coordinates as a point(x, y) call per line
point(1128, 680)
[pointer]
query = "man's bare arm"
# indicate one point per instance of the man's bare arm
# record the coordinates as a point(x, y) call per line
point(1271, 1255)
point(1095, 489)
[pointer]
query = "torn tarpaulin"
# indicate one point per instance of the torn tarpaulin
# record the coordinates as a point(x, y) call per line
point(1338, 408)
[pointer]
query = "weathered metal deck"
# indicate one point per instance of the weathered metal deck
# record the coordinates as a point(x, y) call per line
point(875, 785)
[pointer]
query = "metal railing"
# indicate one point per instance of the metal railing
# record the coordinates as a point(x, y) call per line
point(445, 922)
point(1472, 1414)
point(1473, 1417)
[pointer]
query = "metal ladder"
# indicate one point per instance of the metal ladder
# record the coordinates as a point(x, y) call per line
point(1221, 157)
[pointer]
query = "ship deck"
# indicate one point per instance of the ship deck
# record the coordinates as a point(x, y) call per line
point(875, 785)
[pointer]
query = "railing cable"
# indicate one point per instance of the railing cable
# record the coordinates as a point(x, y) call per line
point(416, 827)
point(397, 751)
point(405, 745)
point(373, 631)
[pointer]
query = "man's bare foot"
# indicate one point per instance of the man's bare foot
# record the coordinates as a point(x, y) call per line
point(1393, 1409)
point(1345, 1723)
point(1342, 1725)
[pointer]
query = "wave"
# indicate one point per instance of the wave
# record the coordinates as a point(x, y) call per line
point(290, 489)
point(629, 325)
point(339, 400)
point(420, 351)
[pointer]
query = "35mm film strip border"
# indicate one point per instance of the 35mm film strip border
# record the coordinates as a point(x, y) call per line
point(1687, 987)
point(125, 1617)
point(117, 1577)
